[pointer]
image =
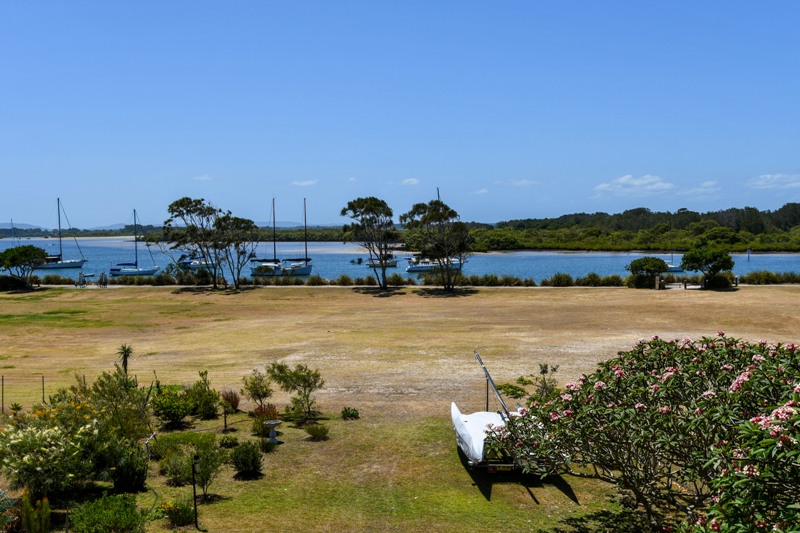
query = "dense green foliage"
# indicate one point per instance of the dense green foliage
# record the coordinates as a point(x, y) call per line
point(703, 432)
point(21, 261)
point(109, 514)
point(303, 382)
point(247, 460)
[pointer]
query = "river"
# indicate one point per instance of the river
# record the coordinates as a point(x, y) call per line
point(333, 259)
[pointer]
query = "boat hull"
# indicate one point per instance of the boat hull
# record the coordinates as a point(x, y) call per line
point(471, 432)
point(132, 271)
point(57, 265)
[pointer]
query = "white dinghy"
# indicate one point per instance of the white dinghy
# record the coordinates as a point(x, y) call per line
point(472, 430)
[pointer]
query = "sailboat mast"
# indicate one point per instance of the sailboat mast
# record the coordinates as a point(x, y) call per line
point(305, 232)
point(60, 252)
point(135, 242)
point(274, 245)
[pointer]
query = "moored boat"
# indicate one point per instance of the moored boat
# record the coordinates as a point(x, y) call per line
point(56, 261)
point(424, 264)
point(133, 269)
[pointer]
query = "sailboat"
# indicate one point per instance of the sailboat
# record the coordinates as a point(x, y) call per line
point(287, 267)
point(133, 269)
point(53, 262)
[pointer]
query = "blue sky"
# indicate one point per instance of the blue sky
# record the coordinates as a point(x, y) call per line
point(513, 109)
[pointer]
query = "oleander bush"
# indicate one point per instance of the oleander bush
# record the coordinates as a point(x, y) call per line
point(702, 433)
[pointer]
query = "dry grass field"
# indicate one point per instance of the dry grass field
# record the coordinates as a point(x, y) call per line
point(399, 358)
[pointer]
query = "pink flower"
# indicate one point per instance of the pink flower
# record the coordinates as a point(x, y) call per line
point(721, 333)
point(655, 387)
point(572, 386)
point(664, 409)
point(554, 417)
point(640, 406)
point(599, 385)
point(568, 412)
point(566, 396)
point(739, 381)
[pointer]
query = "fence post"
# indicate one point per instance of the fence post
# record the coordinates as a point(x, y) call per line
point(3, 392)
point(42, 388)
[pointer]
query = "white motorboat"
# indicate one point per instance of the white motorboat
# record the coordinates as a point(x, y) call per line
point(424, 264)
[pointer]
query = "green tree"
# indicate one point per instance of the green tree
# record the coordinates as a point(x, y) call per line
point(373, 229)
point(709, 260)
point(21, 261)
point(238, 238)
point(125, 352)
point(436, 231)
point(192, 227)
point(303, 382)
point(257, 387)
point(645, 270)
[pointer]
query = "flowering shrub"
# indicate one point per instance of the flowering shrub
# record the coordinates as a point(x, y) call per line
point(666, 421)
point(179, 513)
point(45, 458)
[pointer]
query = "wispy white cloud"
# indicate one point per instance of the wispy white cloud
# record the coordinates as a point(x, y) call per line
point(204, 177)
point(304, 183)
point(481, 191)
point(352, 179)
point(704, 189)
point(632, 186)
point(518, 183)
point(775, 181)
point(410, 181)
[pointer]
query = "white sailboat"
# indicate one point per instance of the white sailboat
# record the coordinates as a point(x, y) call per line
point(133, 269)
point(287, 267)
point(56, 261)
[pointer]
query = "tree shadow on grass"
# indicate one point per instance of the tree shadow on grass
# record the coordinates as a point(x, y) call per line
point(458, 292)
point(377, 292)
point(622, 521)
point(484, 480)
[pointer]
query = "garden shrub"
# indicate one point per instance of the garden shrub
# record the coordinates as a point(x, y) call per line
point(171, 407)
point(257, 387)
point(166, 443)
point(228, 441)
point(317, 431)
point(247, 459)
point(349, 413)
point(316, 280)
point(559, 279)
point(210, 460)
point(232, 398)
point(344, 280)
point(108, 514)
point(589, 280)
point(11, 283)
point(179, 512)
point(614, 280)
point(303, 382)
point(266, 446)
point(204, 399)
point(176, 466)
point(130, 471)
point(395, 280)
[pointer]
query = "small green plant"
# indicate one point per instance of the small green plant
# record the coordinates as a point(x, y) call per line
point(176, 466)
point(108, 513)
point(179, 512)
point(349, 413)
point(247, 460)
point(317, 432)
point(228, 441)
point(35, 518)
point(303, 382)
point(16, 408)
point(203, 398)
point(210, 458)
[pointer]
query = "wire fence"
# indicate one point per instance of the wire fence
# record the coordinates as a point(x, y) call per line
point(22, 390)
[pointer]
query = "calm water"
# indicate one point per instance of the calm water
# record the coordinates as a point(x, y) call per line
point(332, 259)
